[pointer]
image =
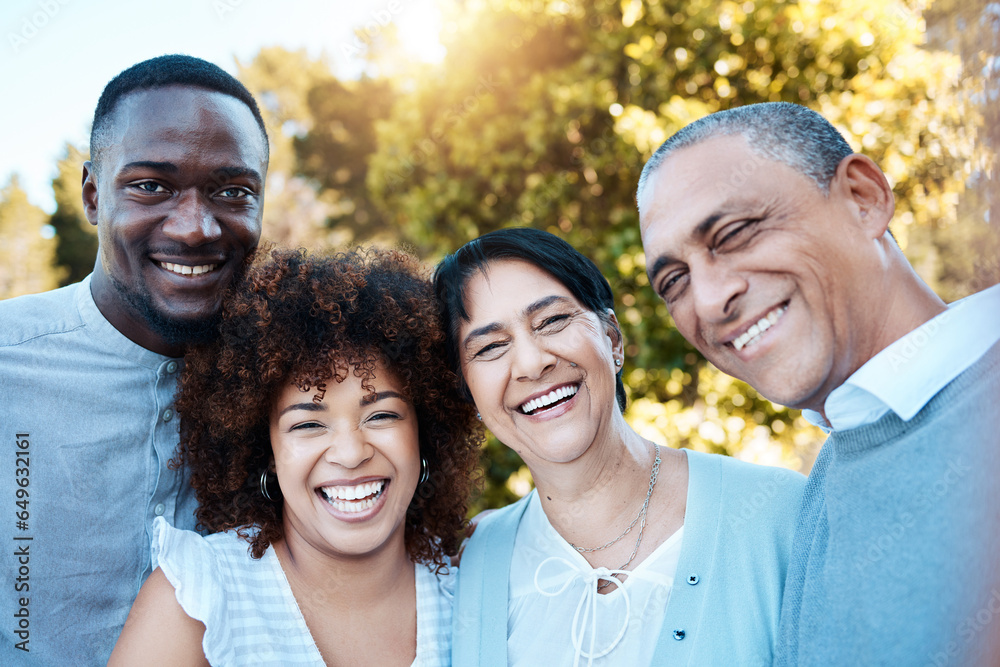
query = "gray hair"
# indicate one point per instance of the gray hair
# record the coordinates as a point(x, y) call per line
point(788, 133)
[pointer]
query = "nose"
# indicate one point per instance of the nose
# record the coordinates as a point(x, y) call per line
point(716, 292)
point(531, 361)
point(192, 222)
point(348, 448)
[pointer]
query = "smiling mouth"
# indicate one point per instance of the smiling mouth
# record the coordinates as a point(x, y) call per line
point(356, 498)
point(754, 333)
point(185, 270)
point(553, 398)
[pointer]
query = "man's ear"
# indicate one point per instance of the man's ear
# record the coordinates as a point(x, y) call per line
point(867, 191)
point(90, 192)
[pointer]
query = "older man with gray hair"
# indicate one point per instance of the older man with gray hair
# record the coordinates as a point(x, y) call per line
point(768, 239)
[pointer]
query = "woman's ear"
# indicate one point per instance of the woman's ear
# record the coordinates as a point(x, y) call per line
point(615, 334)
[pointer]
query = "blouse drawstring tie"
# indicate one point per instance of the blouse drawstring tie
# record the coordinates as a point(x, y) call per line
point(586, 608)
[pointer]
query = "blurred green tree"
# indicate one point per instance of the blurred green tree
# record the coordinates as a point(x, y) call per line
point(295, 210)
point(334, 154)
point(76, 238)
point(28, 250)
point(322, 135)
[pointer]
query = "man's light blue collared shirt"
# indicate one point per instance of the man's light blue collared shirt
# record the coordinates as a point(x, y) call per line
point(910, 371)
point(88, 427)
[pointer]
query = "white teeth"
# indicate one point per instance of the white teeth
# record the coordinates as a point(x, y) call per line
point(753, 334)
point(353, 507)
point(345, 498)
point(184, 270)
point(548, 399)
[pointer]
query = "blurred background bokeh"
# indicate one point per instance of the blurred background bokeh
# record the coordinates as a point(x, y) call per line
point(429, 123)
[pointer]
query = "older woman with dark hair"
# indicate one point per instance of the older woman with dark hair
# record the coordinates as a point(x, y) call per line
point(332, 457)
point(625, 553)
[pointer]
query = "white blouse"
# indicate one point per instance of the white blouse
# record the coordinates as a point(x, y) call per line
point(251, 616)
point(556, 617)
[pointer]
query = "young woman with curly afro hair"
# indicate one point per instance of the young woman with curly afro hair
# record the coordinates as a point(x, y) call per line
point(333, 458)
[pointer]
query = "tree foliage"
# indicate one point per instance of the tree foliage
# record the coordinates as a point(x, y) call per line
point(76, 238)
point(27, 253)
point(322, 134)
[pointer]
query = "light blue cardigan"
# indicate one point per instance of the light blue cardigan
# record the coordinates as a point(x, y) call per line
point(730, 577)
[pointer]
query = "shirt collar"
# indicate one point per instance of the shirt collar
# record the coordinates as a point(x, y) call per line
point(114, 340)
point(908, 373)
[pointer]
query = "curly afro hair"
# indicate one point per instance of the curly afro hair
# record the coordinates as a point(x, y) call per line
point(289, 320)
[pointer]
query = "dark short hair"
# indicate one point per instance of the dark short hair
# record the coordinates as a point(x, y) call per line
point(290, 320)
point(546, 251)
point(780, 131)
point(170, 70)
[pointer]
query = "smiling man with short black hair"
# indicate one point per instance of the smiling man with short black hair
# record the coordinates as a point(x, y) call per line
point(88, 372)
point(767, 237)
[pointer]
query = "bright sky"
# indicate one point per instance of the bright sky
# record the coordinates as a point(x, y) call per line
point(57, 55)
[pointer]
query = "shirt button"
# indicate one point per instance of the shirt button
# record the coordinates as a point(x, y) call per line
point(171, 366)
point(693, 579)
point(679, 634)
point(168, 414)
point(159, 509)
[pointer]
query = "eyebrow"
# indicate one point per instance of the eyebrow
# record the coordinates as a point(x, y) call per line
point(700, 231)
point(311, 407)
point(170, 167)
point(150, 164)
point(238, 172)
point(544, 302)
point(529, 310)
point(481, 331)
point(321, 407)
point(368, 400)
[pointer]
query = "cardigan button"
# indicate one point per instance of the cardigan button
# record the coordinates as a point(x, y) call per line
point(693, 579)
point(679, 634)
